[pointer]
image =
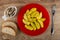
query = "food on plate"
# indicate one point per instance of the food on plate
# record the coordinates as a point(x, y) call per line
point(33, 26)
point(28, 27)
point(32, 10)
point(33, 19)
point(26, 22)
point(37, 24)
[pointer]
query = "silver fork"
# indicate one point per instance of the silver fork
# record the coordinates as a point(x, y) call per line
point(52, 18)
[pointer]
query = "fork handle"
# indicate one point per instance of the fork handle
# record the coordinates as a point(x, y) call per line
point(52, 24)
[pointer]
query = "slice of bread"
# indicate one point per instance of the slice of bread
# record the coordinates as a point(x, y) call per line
point(9, 31)
point(11, 24)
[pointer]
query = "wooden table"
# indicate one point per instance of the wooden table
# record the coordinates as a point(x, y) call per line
point(47, 4)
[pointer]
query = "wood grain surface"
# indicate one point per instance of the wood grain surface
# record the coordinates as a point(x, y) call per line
point(47, 4)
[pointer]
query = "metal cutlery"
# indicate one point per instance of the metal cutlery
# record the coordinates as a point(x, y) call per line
point(52, 18)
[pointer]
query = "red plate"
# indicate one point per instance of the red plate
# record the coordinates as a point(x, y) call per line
point(40, 8)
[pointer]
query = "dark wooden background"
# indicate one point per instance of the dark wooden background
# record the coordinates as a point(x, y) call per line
point(47, 4)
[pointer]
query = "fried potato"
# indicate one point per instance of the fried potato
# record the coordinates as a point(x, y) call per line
point(26, 22)
point(37, 24)
point(41, 23)
point(33, 19)
point(28, 27)
point(33, 25)
point(32, 10)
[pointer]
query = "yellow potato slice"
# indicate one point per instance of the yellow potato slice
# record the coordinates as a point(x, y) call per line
point(26, 22)
point(43, 19)
point(41, 23)
point(33, 26)
point(29, 18)
point(25, 17)
point(37, 24)
point(33, 14)
point(27, 12)
point(32, 10)
point(40, 14)
point(28, 27)
point(37, 14)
